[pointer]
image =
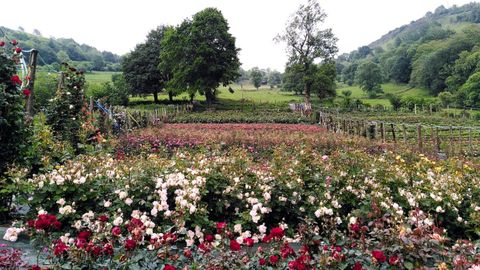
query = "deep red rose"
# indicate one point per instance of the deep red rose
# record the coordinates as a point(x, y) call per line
point(209, 238)
point(31, 223)
point(273, 259)
point(357, 266)
point(18, 50)
point(355, 227)
point(14, 42)
point(234, 245)
point(204, 247)
point(393, 260)
point(108, 249)
point(84, 235)
point(15, 79)
point(116, 231)
point(27, 92)
point(96, 251)
point(221, 225)
point(286, 251)
point(277, 232)
point(379, 256)
point(248, 242)
point(169, 267)
point(338, 249)
point(60, 248)
point(35, 267)
point(130, 244)
point(262, 261)
point(103, 218)
point(2, 43)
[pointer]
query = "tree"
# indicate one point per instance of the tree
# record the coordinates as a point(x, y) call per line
point(256, 77)
point(446, 98)
point(395, 101)
point(324, 81)
point(293, 79)
point(471, 90)
point(369, 77)
point(140, 67)
point(201, 54)
point(275, 79)
point(306, 41)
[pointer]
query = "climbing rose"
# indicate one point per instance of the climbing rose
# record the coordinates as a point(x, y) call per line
point(18, 50)
point(130, 244)
point(169, 267)
point(276, 232)
point(379, 256)
point(15, 79)
point(14, 42)
point(273, 259)
point(248, 241)
point(27, 92)
point(2, 43)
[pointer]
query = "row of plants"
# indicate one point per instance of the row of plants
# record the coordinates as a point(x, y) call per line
point(270, 116)
point(335, 208)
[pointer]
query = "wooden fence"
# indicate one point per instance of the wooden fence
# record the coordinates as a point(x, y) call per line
point(439, 140)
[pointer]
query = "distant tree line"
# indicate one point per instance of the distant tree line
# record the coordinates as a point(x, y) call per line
point(427, 53)
point(55, 51)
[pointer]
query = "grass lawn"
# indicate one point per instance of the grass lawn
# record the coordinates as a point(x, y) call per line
point(402, 90)
point(99, 76)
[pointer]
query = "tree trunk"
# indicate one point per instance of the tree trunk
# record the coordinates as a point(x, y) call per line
point(191, 97)
point(155, 96)
point(170, 96)
point(308, 84)
point(210, 96)
point(307, 93)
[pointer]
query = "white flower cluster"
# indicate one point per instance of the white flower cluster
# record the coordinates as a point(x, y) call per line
point(12, 234)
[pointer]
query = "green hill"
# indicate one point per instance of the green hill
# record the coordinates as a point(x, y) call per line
point(438, 52)
point(54, 51)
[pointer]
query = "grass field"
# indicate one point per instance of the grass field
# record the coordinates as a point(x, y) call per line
point(99, 76)
point(401, 90)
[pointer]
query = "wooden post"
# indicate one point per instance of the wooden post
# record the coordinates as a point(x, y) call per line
point(90, 107)
point(419, 137)
point(415, 108)
point(470, 141)
point(404, 134)
point(437, 140)
point(382, 131)
point(460, 146)
point(451, 141)
point(32, 63)
point(393, 133)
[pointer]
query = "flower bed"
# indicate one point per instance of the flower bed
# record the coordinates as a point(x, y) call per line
point(343, 208)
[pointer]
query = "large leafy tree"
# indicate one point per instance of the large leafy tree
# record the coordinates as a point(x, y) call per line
point(306, 41)
point(140, 67)
point(201, 54)
point(369, 77)
point(256, 77)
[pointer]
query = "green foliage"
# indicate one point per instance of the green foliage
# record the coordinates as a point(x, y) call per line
point(45, 88)
point(116, 92)
point(65, 113)
point(58, 50)
point(348, 73)
point(275, 79)
point(13, 132)
point(369, 77)
point(256, 77)
point(201, 54)
point(446, 98)
point(140, 67)
point(324, 81)
point(395, 101)
point(293, 79)
point(471, 90)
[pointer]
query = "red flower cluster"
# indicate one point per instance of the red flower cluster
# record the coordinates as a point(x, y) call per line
point(18, 50)
point(45, 222)
point(27, 92)
point(15, 79)
point(130, 244)
point(14, 42)
point(60, 248)
point(169, 267)
point(221, 226)
point(2, 43)
point(82, 239)
point(248, 242)
point(379, 256)
point(234, 245)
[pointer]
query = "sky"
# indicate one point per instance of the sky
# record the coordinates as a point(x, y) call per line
point(118, 25)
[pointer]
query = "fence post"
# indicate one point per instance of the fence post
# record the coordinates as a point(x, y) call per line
point(393, 133)
point(470, 141)
point(452, 149)
point(419, 137)
point(90, 107)
point(33, 70)
point(404, 134)
point(382, 131)
point(437, 140)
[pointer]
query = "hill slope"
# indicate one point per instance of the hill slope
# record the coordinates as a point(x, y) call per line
point(439, 52)
point(57, 50)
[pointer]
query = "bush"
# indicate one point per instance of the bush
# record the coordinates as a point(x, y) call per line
point(395, 101)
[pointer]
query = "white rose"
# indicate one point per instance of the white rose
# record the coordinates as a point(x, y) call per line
point(61, 202)
point(128, 201)
point(118, 221)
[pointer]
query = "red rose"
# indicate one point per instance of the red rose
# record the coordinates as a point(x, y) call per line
point(221, 225)
point(204, 247)
point(209, 238)
point(234, 245)
point(2, 43)
point(393, 260)
point(108, 249)
point(357, 266)
point(103, 218)
point(379, 256)
point(248, 241)
point(84, 235)
point(14, 42)
point(277, 233)
point(35, 267)
point(130, 244)
point(262, 261)
point(169, 267)
point(273, 259)
point(15, 79)
point(187, 253)
point(116, 231)
point(27, 92)
point(18, 50)
point(355, 227)
point(31, 223)
point(60, 248)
